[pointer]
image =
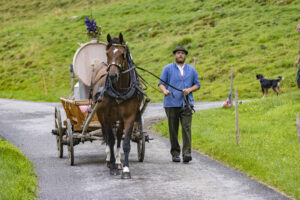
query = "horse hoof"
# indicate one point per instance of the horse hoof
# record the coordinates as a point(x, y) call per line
point(114, 172)
point(119, 166)
point(126, 175)
point(107, 164)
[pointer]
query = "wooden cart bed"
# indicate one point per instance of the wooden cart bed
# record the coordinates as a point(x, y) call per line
point(76, 116)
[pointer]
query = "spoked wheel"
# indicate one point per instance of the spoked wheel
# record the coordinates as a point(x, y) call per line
point(59, 135)
point(141, 141)
point(70, 142)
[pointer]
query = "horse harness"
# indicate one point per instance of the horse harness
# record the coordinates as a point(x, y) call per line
point(108, 89)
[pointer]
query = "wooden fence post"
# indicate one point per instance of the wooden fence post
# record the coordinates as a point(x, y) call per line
point(237, 117)
point(298, 128)
point(195, 61)
point(44, 81)
point(231, 88)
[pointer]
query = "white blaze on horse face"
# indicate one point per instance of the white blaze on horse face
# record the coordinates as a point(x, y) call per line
point(115, 51)
point(107, 151)
point(126, 169)
point(118, 156)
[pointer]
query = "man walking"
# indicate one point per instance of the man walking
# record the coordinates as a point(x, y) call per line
point(179, 104)
point(298, 60)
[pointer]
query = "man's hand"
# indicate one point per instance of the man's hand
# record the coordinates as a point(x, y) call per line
point(191, 89)
point(166, 92)
point(186, 91)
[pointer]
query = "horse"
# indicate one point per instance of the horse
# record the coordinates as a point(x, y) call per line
point(100, 69)
point(119, 95)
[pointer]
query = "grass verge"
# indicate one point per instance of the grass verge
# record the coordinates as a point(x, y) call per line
point(268, 149)
point(17, 177)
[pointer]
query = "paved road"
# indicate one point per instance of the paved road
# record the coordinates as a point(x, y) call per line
point(28, 124)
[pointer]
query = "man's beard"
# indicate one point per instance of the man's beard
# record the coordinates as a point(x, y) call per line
point(180, 61)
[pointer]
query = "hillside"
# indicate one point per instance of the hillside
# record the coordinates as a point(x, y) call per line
point(250, 36)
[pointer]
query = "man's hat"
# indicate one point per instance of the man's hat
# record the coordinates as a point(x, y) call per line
point(180, 48)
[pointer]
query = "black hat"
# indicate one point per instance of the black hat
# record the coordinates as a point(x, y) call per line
point(180, 48)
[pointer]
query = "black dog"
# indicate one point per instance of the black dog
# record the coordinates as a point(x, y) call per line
point(266, 84)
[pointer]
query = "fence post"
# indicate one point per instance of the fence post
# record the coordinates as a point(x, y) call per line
point(44, 82)
point(237, 134)
point(195, 61)
point(298, 128)
point(231, 88)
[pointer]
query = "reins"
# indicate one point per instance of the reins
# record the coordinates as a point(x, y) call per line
point(159, 79)
point(133, 67)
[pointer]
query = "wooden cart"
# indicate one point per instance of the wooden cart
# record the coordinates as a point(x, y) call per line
point(80, 126)
point(70, 131)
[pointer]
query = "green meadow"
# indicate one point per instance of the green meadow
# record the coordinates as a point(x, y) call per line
point(250, 37)
point(17, 177)
point(268, 148)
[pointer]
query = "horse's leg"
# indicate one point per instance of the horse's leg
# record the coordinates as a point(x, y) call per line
point(119, 139)
point(128, 126)
point(111, 143)
point(117, 154)
point(107, 151)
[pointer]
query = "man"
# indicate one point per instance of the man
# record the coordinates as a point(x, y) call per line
point(177, 107)
point(298, 60)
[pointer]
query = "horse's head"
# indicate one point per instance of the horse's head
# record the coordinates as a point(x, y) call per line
point(116, 57)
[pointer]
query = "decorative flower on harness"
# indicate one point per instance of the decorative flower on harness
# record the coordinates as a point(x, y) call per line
point(93, 30)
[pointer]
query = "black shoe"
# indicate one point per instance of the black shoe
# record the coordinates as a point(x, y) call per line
point(176, 159)
point(187, 158)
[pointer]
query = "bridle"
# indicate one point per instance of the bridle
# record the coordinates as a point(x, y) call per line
point(119, 65)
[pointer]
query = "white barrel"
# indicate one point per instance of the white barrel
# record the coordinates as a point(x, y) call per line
point(84, 58)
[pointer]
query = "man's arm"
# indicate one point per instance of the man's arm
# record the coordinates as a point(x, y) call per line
point(164, 89)
point(191, 89)
point(196, 84)
point(164, 76)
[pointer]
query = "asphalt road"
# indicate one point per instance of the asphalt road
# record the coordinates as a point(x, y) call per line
point(28, 125)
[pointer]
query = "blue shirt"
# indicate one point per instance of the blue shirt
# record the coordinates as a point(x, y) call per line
point(172, 76)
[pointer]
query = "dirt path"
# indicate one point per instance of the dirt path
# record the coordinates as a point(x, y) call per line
point(28, 124)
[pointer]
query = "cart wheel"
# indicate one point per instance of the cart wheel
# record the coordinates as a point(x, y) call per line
point(141, 142)
point(70, 142)
point(58, 127)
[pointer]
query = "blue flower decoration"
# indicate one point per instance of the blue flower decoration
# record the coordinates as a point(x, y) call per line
point(91, 25)
point(92, 28)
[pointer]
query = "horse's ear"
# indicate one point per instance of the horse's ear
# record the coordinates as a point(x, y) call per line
point(121, 38)
point(108, 38)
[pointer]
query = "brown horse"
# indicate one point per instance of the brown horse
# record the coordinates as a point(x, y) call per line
point(119, 100)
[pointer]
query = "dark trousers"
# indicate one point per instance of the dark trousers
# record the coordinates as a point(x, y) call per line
point(184, 115)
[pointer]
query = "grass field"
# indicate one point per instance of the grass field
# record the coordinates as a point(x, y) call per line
point(268, 148)
point(17, 177)
point(250, 36)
